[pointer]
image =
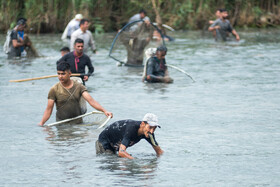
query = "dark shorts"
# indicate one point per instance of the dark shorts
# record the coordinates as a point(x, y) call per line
point(100, 149)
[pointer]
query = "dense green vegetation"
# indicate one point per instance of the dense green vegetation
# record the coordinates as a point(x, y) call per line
point(107, 15)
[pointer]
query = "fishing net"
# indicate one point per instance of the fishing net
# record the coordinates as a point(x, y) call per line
point(132, 40)
point(91, 118)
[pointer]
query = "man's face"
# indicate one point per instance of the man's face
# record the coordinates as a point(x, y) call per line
point(63, 53)
point(160, 54)
point(218, 13)
point(142, 15)
point(148, 129)
point(79, 47)
point(21, 27)
point(64, 76)
point(85, 26)
point(224, 14)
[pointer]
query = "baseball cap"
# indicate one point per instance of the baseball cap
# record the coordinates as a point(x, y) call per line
point(79, 16)
point(151, 119)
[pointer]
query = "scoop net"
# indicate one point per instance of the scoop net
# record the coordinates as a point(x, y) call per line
point(132, 40)
point(91, 118)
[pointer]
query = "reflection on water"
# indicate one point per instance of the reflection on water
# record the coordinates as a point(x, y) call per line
point(125, 170)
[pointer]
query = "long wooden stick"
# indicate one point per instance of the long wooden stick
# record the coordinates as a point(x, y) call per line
point(43, 77)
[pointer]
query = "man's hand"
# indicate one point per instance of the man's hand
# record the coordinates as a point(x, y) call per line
point(167, 79)
point(108, 114)
point(123, 153)
point(237, 38)
point(85, 78)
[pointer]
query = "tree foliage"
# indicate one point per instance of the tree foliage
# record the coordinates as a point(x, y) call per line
point(110, 15)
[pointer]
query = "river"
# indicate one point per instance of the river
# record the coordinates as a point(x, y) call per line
point(221, 130)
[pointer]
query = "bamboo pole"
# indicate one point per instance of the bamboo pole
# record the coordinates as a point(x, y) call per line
point(43, 77)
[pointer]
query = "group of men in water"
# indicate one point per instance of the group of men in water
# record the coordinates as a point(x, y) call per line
point(68, 92)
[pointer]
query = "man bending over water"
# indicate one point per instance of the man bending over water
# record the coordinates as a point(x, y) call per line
point(125, 133)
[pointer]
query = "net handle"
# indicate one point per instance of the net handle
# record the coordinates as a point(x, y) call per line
point(70, 119)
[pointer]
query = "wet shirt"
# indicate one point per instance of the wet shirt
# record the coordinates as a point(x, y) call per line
point(80, 66)
point(156, 67)
point(121, 132)
point(67, 100)
point(14, 52)
point(224, 30)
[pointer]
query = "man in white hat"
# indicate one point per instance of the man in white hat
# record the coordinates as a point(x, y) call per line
point(122, 134)
point(72, 26)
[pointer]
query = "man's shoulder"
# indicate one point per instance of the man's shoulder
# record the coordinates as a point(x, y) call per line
point(79, 85)
point(88, 32)
point(13, 33)
point(126, 122)
point(86, 57)
point(66, 57)
point(152, 59)
point(55, 86)
point(76, 32)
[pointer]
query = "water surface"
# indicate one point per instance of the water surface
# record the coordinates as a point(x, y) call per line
point(222, 130)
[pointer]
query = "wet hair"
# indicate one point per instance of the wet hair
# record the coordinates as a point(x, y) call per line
point(21, 21)
point(143, 11)
point(83, 21)
point(223, 10)
point(66, 49)
point(63, 66)
point(162, 48)
point(78, 40)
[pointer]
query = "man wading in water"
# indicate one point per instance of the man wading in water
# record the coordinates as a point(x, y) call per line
point(223, 27)
point(78, 60)
point(67, 94)
point(156, 70)
point(125, 133)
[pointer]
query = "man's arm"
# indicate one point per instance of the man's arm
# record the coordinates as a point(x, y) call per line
point(158, 150)
point(72, 40)
point(47, 112)
point(95, 104)
point(150, 69)
point(214, 26)
point(123, 153)
point(236, 35)
point(166, 77)
point(90, 69)
point(92, 43)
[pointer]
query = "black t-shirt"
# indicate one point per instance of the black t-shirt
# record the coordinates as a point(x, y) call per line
point(121, 132)
point(155, 68)
point(15, 52)
point(84, 61)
